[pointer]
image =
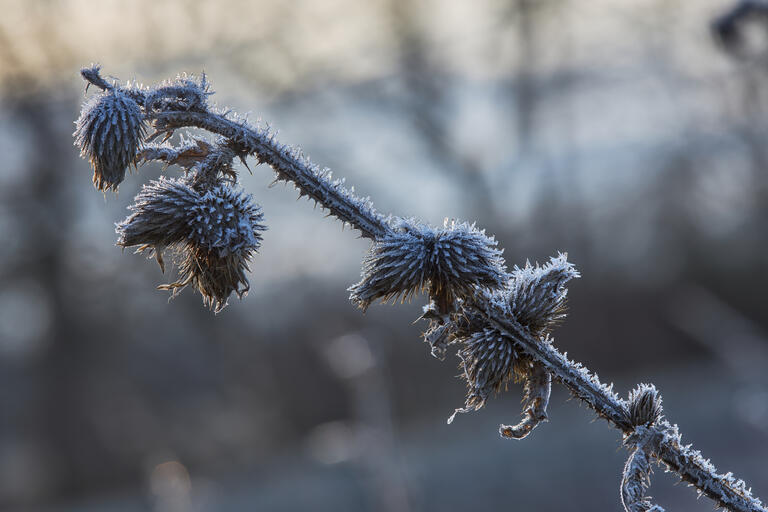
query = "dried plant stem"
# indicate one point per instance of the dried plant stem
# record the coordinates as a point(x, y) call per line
point(538, 386)
point(291, 165)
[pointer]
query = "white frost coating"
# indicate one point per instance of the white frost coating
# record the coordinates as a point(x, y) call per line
point(636, 478)
point(486, 315)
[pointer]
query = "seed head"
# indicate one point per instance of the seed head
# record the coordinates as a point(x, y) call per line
point(490, 362)
point(160, 217)
point(537, 296)
point(225, 221)
point(449, 261)
point(224, 230)
point(216, 277)
point(109, 132)
point(644, 405)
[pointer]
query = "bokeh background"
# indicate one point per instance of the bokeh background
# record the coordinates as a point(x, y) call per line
point(631, 134)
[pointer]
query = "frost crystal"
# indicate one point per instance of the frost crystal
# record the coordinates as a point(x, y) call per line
point(449, 261)
point(109, 132)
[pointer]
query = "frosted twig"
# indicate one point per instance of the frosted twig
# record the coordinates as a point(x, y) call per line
point(501, 321)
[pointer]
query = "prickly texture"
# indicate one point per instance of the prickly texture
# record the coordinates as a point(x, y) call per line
point(161, 215)
point(109, 132)
point(538, 294)
point(535, 301)
point(489, 362)
point(215, 276)
point(224, 234)
point(225, 221)
point(172, 109)
point(538, 387)
point(214, 232)
point(644, 405)
point(449, 262)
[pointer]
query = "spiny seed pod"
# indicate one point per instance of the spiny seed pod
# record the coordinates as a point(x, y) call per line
point(216, 277)
point(225, 221)
point(109, 132)
point(161, 216)
point(489, 359)
point(538, 294)
point(224, 233)
point(490, 362)
point(644, 405)
point(450, 261)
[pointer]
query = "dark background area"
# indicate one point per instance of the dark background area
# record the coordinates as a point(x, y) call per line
point(625, 133)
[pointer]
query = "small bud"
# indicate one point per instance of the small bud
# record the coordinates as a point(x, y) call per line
point(449, 261)
point(538, 294)
point(644, 405)
point(109, 132)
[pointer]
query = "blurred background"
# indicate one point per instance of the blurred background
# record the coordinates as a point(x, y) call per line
point(630, 134)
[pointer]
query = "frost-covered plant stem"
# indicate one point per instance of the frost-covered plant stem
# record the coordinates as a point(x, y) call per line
point(473, 300)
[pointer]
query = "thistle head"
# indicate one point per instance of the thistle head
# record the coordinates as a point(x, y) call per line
point(489, 361)
point(450, 262)
point(161, 215)
point(644, 405)
point(224, 231)
point(214, 232)
point(109, 132)
point(225, 221)
point(537, 294)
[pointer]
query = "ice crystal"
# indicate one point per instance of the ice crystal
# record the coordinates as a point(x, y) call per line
point(450, 262)
point(109, 132)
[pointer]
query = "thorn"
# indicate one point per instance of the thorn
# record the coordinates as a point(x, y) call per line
point(242, 159)
point(159, 258)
